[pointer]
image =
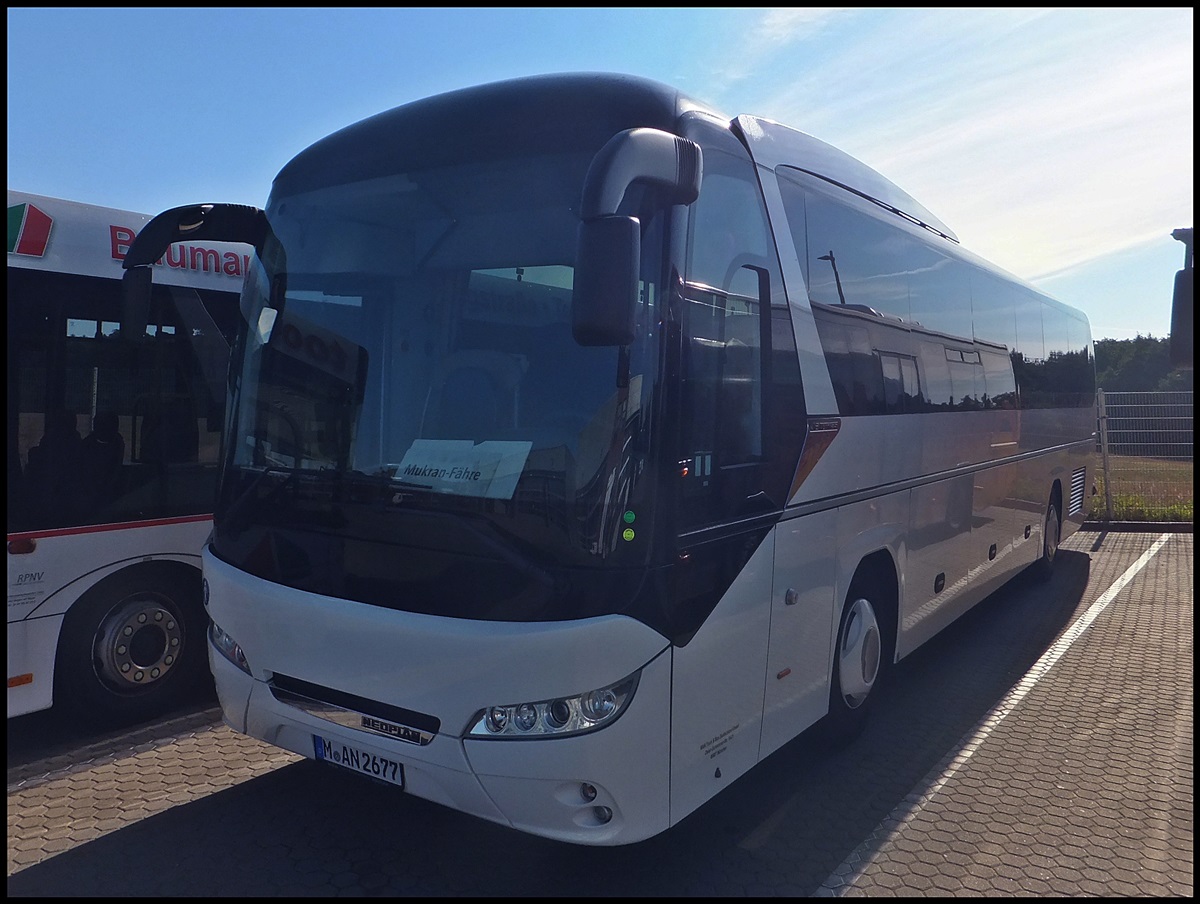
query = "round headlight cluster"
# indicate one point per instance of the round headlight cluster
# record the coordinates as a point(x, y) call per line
point(554, 718)
point(227, 646)
point(496, 719)
point(598, 705)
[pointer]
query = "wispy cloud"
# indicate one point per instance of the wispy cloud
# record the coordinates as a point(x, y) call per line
point(1044, 138)
point(771, 32)
point(779, 27)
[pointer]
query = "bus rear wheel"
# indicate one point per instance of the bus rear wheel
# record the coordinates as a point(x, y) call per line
point(132, 647)
point(1051, 536)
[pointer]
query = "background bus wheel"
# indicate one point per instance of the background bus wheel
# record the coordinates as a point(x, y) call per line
point(857, 663)
point(133, 646)
point(1051, 534)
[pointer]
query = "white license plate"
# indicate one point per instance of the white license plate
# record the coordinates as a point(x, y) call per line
point(363, 761)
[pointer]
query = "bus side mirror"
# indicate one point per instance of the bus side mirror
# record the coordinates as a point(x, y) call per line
point(135, 302)
point(607, 263)
point(1182, 311)
point(1182, 320)
point(608, 253)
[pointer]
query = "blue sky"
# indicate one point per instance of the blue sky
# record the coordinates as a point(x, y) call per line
point(1056, 143)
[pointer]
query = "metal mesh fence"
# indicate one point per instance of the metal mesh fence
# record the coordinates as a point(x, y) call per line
point(1146, 457)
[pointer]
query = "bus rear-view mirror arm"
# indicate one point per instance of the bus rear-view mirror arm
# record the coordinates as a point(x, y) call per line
point(608, 255)
point(192, 222)
point(135, 302)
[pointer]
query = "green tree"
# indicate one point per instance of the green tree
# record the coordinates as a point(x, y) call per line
point(1142, 364)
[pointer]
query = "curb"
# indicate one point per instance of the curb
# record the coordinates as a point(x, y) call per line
point(1169, 527)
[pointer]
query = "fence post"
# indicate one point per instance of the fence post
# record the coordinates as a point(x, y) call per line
point(1108, 508)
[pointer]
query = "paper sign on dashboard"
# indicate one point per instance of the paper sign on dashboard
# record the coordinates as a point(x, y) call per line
point(460, 467)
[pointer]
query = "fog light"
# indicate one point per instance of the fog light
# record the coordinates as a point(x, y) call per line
point(603, 814)
point(588, 792)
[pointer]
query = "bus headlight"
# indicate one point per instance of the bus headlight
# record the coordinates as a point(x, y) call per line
point(554, 718)
point(227, 647)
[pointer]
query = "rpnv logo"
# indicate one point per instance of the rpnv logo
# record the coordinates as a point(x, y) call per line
point(28, 230)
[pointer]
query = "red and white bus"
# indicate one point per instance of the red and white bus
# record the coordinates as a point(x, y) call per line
point(114, 424)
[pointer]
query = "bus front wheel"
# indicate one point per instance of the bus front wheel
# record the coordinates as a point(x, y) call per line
point(857, 663)
point(133, 646)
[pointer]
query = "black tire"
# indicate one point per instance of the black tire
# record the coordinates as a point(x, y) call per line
point(858, 663)
point(133, 646)
point(1043, 568)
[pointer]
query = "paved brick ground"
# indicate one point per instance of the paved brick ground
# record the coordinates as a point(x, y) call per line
point(59, 803)
point(1084, 785)
point(1052, 762)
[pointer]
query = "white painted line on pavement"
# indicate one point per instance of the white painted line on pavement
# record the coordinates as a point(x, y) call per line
point(842, 878)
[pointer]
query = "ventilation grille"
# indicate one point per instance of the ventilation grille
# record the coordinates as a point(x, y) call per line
point(1077, 480)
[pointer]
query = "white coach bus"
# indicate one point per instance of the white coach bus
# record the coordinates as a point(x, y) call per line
point(114, 422)
point(588, 445)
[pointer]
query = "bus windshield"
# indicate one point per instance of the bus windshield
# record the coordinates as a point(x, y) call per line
point(407, 351)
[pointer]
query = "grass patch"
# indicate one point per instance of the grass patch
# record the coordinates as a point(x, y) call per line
point(1145, 489)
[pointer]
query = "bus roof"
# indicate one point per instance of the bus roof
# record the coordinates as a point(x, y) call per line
point(531, 114)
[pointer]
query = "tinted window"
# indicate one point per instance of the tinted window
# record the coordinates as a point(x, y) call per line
point(883, 295)
point(854, 259)
point(111, 421)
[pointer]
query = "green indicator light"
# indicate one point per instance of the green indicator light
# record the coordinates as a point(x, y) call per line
point(628, 533)
point(630, 517)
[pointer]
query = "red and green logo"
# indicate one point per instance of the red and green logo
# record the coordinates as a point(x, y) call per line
point(28, 230)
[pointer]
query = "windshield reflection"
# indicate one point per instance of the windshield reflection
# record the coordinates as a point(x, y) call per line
point(420, 339)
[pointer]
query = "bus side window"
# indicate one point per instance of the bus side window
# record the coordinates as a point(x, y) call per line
point(169, 432)
point(101, 459)
point(51, 474)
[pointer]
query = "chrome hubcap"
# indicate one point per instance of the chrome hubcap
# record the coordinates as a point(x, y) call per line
point(137, 644)
point(859, 653)
point(1052, 532)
